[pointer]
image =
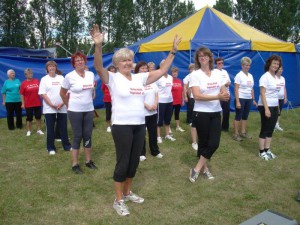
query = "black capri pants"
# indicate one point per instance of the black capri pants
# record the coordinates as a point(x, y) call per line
point(208, 125)
point(33, 110)
point(176, 110)
point(107, 110)
point(267, 124)
point(129, 142)
point(280, 102)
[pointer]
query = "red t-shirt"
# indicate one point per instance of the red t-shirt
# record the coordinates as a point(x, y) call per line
point(177, 89)
point(106, 94)
point(30, 89)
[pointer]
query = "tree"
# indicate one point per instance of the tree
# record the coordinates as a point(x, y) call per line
point(68, 24)
point(41, 21)
point(13, 23)
point(225, 6)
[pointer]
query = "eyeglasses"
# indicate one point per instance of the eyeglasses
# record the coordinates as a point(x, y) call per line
point(202, 56)
point(79, 60)
point(220, 63)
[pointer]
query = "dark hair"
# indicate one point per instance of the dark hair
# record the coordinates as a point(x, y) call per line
point(269, 62)
point(206, 52)
point(78, 54)
point(139, 65)
point(112, 67)
point(219, 59)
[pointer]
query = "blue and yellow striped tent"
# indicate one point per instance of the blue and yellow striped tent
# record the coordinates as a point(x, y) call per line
point(215, 30)
point(227, 38)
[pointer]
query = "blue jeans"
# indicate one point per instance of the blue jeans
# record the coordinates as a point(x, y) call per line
point(61, 120)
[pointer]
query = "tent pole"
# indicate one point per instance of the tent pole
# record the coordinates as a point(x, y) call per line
point(261, 57)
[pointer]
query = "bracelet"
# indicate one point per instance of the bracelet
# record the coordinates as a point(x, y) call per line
point(173, 53)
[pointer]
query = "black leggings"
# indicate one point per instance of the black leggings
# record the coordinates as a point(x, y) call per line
point(208, 127)
point(176, 110)
point(267, 124)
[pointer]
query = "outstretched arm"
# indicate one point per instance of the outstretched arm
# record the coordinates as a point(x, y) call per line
point(98, 38)
point(156, 74)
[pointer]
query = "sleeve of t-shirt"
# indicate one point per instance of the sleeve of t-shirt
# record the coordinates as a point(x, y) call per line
point(237, 79)
point(193, 80)
point(3, 90)
point(42, 88)
point(66, 83)
point(263, 81)
point(145, 78)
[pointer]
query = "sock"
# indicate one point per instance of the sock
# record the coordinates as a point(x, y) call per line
point(261, 151)
point(266, 149)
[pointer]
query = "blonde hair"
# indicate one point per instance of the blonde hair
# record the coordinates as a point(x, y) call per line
point(123, 53)
point(27, 70)
point(192, 65)
point(174, 69)
point(246, 60)
point(151, 64)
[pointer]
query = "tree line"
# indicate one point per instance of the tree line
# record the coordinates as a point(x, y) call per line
point(47, 23)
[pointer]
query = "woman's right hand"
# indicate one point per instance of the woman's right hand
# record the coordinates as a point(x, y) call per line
point(238, 105)
point(96, 35)
point(267, 113)
point(176, 42)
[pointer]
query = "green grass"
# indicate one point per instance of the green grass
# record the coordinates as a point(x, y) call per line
point(36, 188)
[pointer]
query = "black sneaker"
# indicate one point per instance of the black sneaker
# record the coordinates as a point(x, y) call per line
point(77, 169)
point(91, 165)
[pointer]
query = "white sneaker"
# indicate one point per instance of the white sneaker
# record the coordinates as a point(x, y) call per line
point(169, 137)
point(28, 133)
point(179, 129)
point(271, 155)
point(52, 152)
point(40, 132)
point(264, 156)
point(159, 140)
point(159, 156)
point(59, 140)
point(142, 158)
point(133, 198)
point(108, 129)
point(121, 208)
point(208, 175)
point(277, 127)
point(195, 146)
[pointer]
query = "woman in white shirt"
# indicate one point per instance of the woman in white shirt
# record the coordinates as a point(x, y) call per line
point(54, 109)
point(244, 96)
point(128, 117)
point(282, 96)
point(79, 84)
point(150, 103)
point(208, 90)
point(268, 106)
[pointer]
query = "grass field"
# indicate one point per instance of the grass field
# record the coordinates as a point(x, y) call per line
point(40, 189)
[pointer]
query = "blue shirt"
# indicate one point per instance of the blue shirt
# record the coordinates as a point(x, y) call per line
point(11, 88)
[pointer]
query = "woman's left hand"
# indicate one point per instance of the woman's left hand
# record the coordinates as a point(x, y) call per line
point(176, 42)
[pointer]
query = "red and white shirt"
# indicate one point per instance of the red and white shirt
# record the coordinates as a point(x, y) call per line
point(30, 91)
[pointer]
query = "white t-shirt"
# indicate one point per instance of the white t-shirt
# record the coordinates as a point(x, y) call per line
point(225, 79)
point(150, 92)
point(208, 86)
point(165, 89)
point(272, 88)
point(51, 87)
point(127, 98)
point(186, 80)
point(246, 83)
point(81, 91)
point(281, 84)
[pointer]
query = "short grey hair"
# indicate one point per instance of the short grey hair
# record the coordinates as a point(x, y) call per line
point(245, 60)
point(123, 53)
point(10, 71)
point(27, 70)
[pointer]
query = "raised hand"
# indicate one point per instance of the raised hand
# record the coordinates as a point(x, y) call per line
point(96, 35)
point(176, 42)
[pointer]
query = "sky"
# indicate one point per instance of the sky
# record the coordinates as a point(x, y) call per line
point(201, 3)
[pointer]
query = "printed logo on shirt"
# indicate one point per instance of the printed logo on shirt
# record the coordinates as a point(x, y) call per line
point(168, 84)
point(148, 87)
point(54, 83)
point(249, 83)
point(87, 86)
point(136, 91)
point(30, 86)
point(212, 85)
